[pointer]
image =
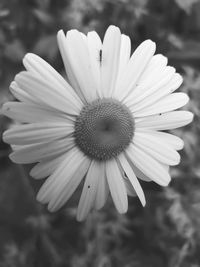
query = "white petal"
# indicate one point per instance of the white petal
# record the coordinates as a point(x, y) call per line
point(84, 37)
point(37, 132)
point(58, 178)
point(166, 104)
point(110, 60)
point(38, 152)
point(139, 97)
point(94, 47)
point(47, 167)
point(134, 69)
point(148, 165)
point(132, 178)
point(20, 94)
point(29, 113)
point(129, 188)
point(125, 51)
point(174, 141)
point(79, 59)
point(140, 174)
point(156, 148)
point(89, 190)
point(69, 187)
point(62, 43)
point(116, 186)
point(46, 93)
point(159, 93)
point(102, 188)
point(41, 68)
point(166, 121)
point(157, 63)
point(59, 187)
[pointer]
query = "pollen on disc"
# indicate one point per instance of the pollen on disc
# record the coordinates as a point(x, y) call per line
point(103, 129)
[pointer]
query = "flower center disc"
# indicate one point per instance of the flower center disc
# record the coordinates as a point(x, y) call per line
point(104, 129)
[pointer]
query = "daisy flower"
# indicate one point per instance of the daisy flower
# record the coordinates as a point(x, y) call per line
point(103, 124)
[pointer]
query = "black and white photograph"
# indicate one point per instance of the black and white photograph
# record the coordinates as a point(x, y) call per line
point(100, 133)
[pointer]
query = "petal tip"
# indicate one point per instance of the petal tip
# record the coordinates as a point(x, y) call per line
point(123, 209)
point(60, 34)
point(190, 117)
point(143, 202)
point(150, 43)
point(165, 183)
point(28, 55)
point(80, 217)
point(113, 29)
point(60, 31)
point(41, 198)
point(13, 85)
point(12, 157)
point(4, 137)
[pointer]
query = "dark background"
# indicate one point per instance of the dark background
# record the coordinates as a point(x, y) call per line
point(164, 233)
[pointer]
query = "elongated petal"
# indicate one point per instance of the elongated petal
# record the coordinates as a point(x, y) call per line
point(134, 69)
point(102, 188)
point(78, 56)
point(37, 132)
point(57, 180)
point(166, 121)
point(94, 47)
point(46, 167)
point(129, 188)
point(159, 93)
point(40, 67)
point(148, 165)
point(156, 148)
point(38, 152)
point(30, 113)
point(88, 195)
point(174, 141)
point(110, 60)
point(132, 178)
point(61, 198)
point(62, 44)
point(116, 186)
point(59, 187)
point(48, 94)
point(156, 63)
point(150, 86)
point(125, 52)
point(140, 174)
point(20, 94)
point(166, 104)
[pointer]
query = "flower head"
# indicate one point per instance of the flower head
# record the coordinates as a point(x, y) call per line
point(103, 124)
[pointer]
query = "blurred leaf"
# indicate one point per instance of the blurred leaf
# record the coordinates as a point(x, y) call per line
point(189, 52)
point(43, 17)
point(2, 37)
point(15, 51)
point(47, 47)
point(186, 5)
point(175, 41)
point(4, 13)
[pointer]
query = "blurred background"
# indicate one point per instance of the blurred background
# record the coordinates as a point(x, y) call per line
point(166, 233)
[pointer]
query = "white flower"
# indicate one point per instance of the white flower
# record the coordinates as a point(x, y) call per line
point(104, 124)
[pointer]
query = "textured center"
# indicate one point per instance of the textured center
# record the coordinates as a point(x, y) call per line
point(104, 129)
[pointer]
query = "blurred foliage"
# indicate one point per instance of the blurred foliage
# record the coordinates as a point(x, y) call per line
point(163, 234)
